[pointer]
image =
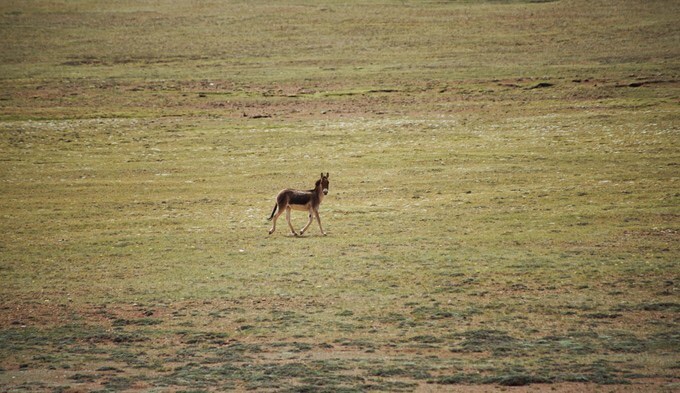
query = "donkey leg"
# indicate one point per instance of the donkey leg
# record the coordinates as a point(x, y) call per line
point(318, 219)
point(278, 213)
point(302, 231)
point(292, 230)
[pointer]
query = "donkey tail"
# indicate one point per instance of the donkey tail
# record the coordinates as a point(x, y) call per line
point(273, 211)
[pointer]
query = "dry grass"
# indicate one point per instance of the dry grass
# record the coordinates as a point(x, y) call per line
point(503, 206)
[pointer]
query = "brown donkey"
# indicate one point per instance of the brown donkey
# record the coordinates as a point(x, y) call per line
point(300, 200)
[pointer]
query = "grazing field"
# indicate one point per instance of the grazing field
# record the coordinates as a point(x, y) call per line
point(504, 206)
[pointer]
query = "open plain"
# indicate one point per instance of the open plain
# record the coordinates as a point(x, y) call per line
point(503, 215)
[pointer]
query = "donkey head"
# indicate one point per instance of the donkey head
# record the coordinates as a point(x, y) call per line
point(323, 182)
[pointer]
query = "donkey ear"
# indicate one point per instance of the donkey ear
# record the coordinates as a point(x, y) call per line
point(327, 175)
point(321, 174)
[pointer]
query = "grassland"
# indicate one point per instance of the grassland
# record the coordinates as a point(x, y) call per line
point(503, 208)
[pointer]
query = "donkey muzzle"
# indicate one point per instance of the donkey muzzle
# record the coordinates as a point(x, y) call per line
point(325, 191)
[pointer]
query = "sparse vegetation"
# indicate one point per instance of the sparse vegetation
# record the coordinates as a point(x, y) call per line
point(503, 206)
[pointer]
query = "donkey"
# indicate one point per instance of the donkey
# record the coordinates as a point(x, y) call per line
point(300, 200)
